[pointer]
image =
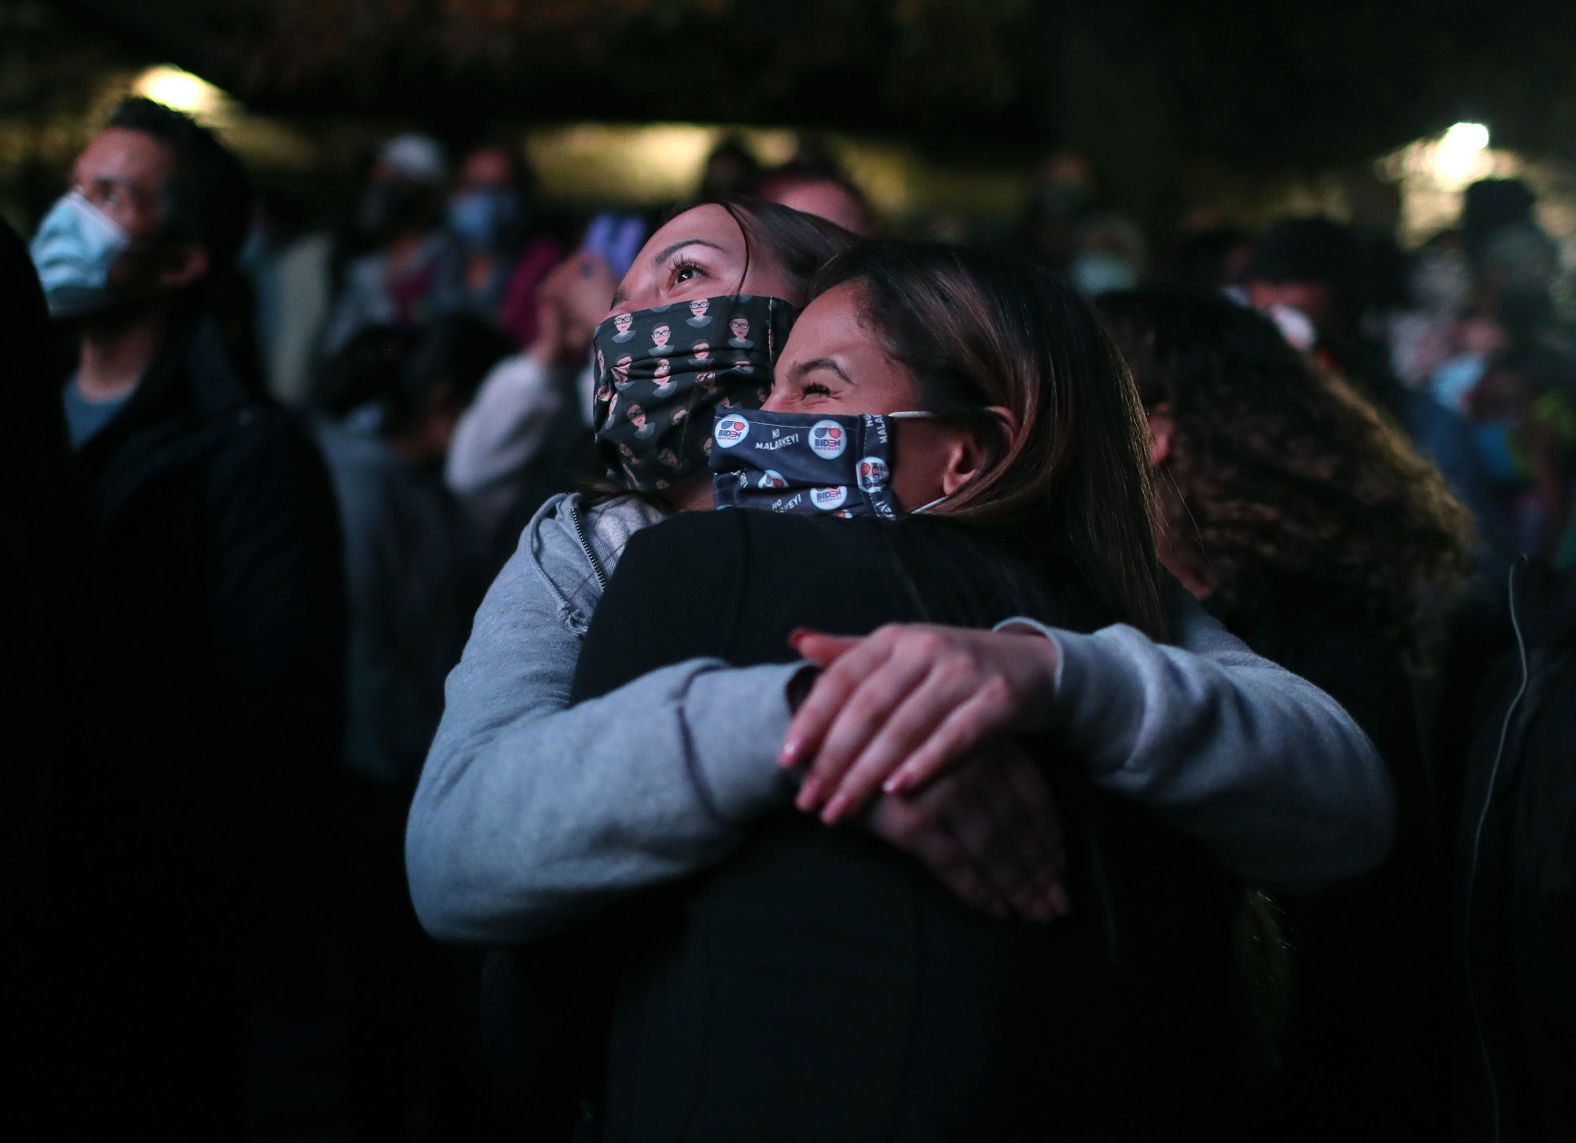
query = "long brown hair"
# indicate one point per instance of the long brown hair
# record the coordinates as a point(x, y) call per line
point(1069, 488)
point(1279, 475)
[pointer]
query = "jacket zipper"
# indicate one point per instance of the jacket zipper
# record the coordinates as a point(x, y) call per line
point(585, 546)
point(1477, 849)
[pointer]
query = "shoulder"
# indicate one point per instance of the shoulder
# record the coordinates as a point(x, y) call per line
point(571, 545)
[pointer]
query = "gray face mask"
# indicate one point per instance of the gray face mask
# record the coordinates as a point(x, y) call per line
point(73, 251)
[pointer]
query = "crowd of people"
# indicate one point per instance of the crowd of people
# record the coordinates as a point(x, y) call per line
point(1121, 693)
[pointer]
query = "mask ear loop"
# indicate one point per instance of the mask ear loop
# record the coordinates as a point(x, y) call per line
point(920, 415)
point(923, 508)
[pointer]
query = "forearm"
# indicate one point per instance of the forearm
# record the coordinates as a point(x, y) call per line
point(504, 427)
point(1265, 769)
point(524, 824)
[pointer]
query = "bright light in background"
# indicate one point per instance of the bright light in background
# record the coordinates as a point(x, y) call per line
point(1460, 155)
point(179, 89)
point(1433, 173)
point(1466, 137)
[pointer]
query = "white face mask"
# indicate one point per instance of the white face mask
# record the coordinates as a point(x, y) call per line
point(73, 251)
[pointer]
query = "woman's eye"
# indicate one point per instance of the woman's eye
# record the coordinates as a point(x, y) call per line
point(815, 389)
point(686, 271)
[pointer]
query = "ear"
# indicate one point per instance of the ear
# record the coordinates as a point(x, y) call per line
point(183, 264)
point(1161, 427)
point(969, 453)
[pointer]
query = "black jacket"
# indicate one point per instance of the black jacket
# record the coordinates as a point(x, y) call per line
point(1365, 1051)
point(1516, 893)
point(821, 985)
point(192, 833)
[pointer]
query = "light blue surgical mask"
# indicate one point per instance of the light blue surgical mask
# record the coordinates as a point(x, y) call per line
point(1096, 272)
point(73, 251)
point(486, 218)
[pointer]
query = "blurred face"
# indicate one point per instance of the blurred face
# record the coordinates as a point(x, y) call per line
point(829, 201)
point(834, 365)
point(485, 170)
point(123, 174)
point(699, 254)
point(1315, 300)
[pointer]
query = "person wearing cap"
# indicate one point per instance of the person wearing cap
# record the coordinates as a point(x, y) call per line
point(401, 215)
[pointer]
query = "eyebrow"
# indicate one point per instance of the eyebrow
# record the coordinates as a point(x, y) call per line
point(662, 256)
point(798, 371)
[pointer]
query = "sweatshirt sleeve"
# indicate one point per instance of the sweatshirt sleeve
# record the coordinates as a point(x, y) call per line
point(531, 813)
point(504, 426)
point(1261, 766)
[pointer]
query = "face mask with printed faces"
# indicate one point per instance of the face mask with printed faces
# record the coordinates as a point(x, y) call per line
point(664, 374)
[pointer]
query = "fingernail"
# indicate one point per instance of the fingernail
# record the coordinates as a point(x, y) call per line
point(789, 755)
point(898, 782)
point(834, 809)
point(797, 634)
point(807, 794)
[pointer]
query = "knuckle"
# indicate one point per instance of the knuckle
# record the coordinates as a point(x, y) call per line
point(995, 692)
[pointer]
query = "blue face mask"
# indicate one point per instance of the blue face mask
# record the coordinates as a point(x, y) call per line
point(73, 251)
point(807, 462)
point(1097, 273)
point(485, 219)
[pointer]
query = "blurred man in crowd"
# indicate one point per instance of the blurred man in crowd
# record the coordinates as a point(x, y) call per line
point(414, 576)
point(401, 215)
point(213, 576)
point(497, 258)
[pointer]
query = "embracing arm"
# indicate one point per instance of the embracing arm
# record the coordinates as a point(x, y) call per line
point(530, 812)
point(1262, 767)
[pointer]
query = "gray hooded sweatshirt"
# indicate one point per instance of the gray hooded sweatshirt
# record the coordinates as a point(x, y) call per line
point(532, 813)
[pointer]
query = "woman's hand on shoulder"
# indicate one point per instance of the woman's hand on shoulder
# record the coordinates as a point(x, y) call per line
point(988, 831)
point(896, 709)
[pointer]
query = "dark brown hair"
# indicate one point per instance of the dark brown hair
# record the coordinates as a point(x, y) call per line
point(798, 242)
point(1279, 475)
point(207, 197)
point(1069, 489)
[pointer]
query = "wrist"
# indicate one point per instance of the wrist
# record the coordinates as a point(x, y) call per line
point(1039, 657)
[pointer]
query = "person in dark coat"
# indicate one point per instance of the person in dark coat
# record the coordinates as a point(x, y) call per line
point(1306, 523)
point(42, 674)
point(1515, 893)
point(212, 569)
